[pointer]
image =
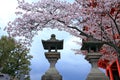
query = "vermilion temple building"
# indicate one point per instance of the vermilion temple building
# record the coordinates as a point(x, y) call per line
point(112, 70)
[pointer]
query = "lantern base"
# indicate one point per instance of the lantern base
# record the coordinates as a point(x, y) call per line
point(95, 73)
point(52, 73)
point(51, 77)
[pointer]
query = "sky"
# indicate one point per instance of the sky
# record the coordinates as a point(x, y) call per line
point(71, 66)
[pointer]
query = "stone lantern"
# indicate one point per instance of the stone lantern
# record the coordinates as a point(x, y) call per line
point(52, 45)
point(93, 46)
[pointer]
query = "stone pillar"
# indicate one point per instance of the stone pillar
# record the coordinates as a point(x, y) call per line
point(95, 73)
point(52, 73)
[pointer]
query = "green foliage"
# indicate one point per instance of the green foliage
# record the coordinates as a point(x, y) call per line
point(14, 58)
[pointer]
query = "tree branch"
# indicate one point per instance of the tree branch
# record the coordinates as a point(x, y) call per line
point(109, 42)
point(103, 32)
point(114, 20)
point(81, 32)
point(117, 14)
point(113, 34)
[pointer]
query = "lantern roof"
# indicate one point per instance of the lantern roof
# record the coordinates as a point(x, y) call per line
point(52, 43)
point(91, 43)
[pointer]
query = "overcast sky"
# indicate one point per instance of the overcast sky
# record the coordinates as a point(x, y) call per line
point(70, 66)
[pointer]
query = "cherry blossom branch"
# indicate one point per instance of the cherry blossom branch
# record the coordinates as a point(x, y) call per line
point(110, 43)
point(81, 32)
point(113, 33)
point(114, 20)
point(103, 32)
point(117, 14)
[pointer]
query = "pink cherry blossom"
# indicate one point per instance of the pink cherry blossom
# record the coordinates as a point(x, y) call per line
point(99, 18)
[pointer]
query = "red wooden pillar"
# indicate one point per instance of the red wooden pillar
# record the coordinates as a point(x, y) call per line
point(118, 66)
point(109, 73)
point(113, 70)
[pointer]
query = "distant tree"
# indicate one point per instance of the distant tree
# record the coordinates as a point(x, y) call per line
point(14, 58)
point(99, 18)
point(6, 46)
